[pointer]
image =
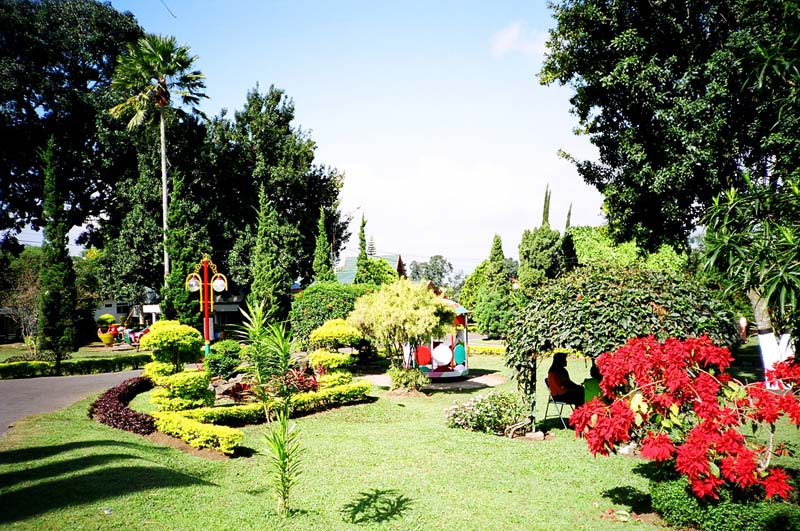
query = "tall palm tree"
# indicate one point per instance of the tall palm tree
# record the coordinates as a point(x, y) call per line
point(148, 73)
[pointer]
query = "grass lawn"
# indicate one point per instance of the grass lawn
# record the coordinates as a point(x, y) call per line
point(389, 464)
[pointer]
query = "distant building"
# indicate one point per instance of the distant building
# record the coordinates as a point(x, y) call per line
point(347, 272)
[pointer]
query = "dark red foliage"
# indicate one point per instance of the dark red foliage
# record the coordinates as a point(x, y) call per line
point(112, 407)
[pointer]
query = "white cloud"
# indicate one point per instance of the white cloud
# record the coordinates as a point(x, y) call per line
point(515, 39)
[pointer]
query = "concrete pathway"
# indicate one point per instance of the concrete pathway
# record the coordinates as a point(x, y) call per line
point(29, 396)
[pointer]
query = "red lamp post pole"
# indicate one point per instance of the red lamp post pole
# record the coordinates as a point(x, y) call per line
point(206, 296)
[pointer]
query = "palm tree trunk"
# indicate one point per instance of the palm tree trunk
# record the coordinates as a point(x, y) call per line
point(164, 205)
point(772, 350)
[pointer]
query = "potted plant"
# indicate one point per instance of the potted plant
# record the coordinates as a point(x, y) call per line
point(103, 323)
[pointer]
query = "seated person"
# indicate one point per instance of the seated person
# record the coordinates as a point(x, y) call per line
point(561, 387)
point(591, 385)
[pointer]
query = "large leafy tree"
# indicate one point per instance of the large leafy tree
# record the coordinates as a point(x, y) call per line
point(147, 76)
point(436, 269)
point(56, 63)
point(662, 90)
point(56, 327)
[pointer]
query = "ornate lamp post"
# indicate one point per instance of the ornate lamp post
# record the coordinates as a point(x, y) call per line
point(217, 282)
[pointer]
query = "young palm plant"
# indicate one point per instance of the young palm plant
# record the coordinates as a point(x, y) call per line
point(269, 350)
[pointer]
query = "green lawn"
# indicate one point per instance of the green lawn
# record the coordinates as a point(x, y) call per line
point(389, 464)
point(92, 350)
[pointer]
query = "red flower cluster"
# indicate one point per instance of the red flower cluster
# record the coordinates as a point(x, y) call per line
point(677, 401)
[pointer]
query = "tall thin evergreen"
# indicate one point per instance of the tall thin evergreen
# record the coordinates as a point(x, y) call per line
point(323, 267)
point(57, 297)
point(271, 281)
point(362, 264)
point(546, 209)
point(569, 219)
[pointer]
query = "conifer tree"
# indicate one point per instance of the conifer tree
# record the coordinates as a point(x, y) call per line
point(323, 267)
point(271, 281)
point(57, 296)
point(546, 209)
point(362, 263)
point(538, 252)
point(186, 241)
point(569, 218)
point(495, 307)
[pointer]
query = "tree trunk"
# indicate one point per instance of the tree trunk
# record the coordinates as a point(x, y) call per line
point(772, 351)
point(164, 205)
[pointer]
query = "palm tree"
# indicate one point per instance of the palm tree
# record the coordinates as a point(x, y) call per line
point(147, 74)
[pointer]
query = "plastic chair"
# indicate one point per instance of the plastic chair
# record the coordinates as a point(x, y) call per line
point(557, 405)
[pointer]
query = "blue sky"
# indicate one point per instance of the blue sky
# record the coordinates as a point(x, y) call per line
point(431, 109)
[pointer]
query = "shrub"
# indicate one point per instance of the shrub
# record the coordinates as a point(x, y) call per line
point(184, 390)
point(196, 433)
point(403, 378)
point(598, 310)
point(334, 334)
point(304, 403)
point(322, 302)
point(111, 408)
point(106, 319)
point(238, 415)
point(489, 413)
point(675, 503)
point(173, 343)
point(487, 351)
point(28, 369)
point(223, 359)
point(158, 369)
point(328, 361)
point(334, 378)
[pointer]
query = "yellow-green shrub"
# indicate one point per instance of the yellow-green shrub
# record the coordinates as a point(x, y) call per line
point(330, 397)
point(157, 369)
point(334, 378)
point(334, 334)
point(329, 360)
point(184, 390)
point(487, 351)
point(196, 433)
point(174, 343)
point(238, 415)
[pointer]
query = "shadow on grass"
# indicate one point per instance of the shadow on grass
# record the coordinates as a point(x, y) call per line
point(41, 452)
point(375, 506)
point(77, 487)
point(636, 500)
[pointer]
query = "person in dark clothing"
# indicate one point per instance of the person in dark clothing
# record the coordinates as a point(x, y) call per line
point(561, 387)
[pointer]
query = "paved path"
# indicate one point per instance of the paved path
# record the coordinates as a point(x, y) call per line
point(28, 396)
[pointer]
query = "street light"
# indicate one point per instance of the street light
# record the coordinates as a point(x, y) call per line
point(218, 283)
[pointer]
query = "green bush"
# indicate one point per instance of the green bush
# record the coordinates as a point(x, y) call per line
point(106, 319)
point(184, 390)
point(489, 413)
point(329, 361)
point(334, 378)
point(238, 415)
point(402, 378)
point(487, 351)
point(29, 369)
point(674, 501)
point(173, 343)
point(596, 310)
point(322, 302)
point(197, 434)
point(158, 369)
point(223, 359)
point(334, 334)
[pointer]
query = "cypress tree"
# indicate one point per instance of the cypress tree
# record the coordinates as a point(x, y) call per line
point(546, 209)
point(569, 218)
point(186, 240)
point(56, 327)
point(323, 267)
point(495, 305)
point(362, 263)
point(271, 281)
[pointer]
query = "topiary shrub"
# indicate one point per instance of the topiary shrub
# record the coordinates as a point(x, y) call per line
point(172, 342)
point(489, 413)
point(412, 379)
point(334, 334)
point(223, 359)
point(157, 369)
point(197, 434)
point(184, 390)
point(334, 378)
point(329, 361)
point(106, 319)
point(596, 310)
point(322, 302)
point(674, 502)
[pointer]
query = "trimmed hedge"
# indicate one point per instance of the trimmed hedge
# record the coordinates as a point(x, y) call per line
point(334, 378)
point(329, 360)
point(112, 407)
point(487, 351)
point(334, 334)
point(301, 404)
point(196, 433)
point(321, 302)
point(184, 390)
point(28, 369)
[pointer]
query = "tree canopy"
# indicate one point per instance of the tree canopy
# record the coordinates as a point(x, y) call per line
point(664, 91)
